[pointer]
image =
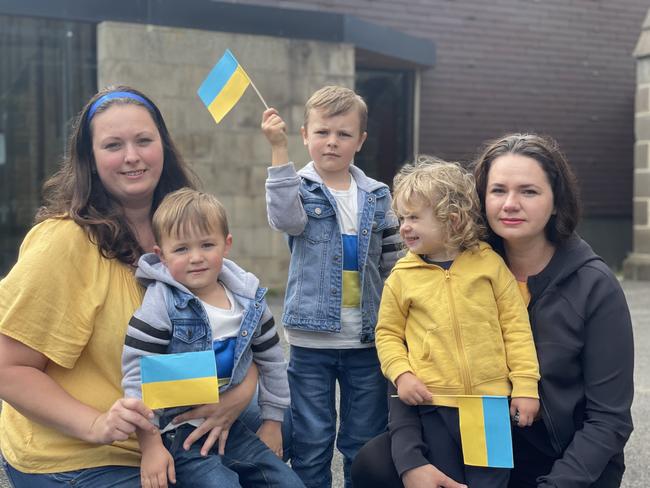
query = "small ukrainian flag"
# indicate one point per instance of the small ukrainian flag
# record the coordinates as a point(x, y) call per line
point(485, 431)
point(224, 86)
point(175, 380)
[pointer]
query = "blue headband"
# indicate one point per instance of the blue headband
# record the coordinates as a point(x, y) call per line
point(110, 96)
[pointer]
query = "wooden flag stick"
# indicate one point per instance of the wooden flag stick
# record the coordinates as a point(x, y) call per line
point(258, 93)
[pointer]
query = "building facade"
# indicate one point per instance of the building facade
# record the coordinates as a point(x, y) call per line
point(440, 76)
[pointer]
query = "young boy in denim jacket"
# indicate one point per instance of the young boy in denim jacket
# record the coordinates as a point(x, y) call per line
point(344, 241)
point(197, 300)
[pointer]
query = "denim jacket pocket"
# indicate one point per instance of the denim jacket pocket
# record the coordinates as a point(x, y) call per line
point(188, 330)
point(321, 221)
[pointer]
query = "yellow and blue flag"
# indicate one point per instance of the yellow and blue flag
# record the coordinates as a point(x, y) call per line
point(485, 431)
point(224, 86)
point(175, 380)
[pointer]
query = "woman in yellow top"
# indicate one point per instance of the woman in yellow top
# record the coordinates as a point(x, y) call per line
point(452, 320)
point(65, 305)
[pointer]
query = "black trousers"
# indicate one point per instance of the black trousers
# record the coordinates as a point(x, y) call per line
point(373, 466)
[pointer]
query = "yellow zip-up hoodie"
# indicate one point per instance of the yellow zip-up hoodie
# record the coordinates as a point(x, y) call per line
point(461, 331)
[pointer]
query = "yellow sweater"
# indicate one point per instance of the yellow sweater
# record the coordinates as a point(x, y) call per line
point(462, 331)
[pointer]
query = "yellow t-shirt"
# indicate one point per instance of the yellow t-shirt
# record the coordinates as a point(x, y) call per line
point(63, 299)
point(525, 292)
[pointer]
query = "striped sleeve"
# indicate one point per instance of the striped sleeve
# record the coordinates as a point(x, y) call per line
point(148, 333)
point(391, 245)
point(269, 357)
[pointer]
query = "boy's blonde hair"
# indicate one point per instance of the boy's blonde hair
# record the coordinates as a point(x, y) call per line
point(185, 211)
point(336, 100)
point(450, 191)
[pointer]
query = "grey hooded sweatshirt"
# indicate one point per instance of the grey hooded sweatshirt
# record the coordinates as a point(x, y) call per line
point(150, 331)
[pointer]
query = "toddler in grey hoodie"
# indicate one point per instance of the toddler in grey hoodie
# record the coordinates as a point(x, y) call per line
point(198, 300)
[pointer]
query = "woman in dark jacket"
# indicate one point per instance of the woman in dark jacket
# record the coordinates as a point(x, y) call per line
point(580, 322)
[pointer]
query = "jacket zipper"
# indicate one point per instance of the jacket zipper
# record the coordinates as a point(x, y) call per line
point(464, 367)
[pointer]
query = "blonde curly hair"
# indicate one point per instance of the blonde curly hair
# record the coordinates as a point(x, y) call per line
point(450, 191)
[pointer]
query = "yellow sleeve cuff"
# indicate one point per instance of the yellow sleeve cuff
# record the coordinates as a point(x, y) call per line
point(524, 387)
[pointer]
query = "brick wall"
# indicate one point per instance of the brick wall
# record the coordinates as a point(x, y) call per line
point(564, 68)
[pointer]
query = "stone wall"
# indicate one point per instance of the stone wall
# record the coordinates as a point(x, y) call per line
point(169, 64)
point(637, 265)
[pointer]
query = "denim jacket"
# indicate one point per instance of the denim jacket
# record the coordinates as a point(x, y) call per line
point(300, 204)
point(173, 320)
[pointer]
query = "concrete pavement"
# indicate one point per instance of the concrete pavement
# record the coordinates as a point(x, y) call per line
point(637, 451)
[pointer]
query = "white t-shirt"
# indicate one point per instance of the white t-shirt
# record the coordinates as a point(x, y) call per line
point(348, 338)
point(224, 324)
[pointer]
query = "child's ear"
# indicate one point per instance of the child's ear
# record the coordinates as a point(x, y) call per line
point(362, 139)
point(158, 252)
point(228, 244)
point(303, 132)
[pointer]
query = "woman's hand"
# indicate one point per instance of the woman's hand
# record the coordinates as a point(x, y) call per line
point(220, 416)
point(120, 421)
point(428, 476)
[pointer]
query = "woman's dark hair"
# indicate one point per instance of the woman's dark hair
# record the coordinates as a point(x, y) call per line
point(75, 191)
point(546, 152)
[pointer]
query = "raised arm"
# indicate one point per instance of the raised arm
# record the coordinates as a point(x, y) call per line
point(283, 203)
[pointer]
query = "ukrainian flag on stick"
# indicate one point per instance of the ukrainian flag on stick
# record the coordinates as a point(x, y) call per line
point(175, 380)
point(224, 86)
point(485, 431)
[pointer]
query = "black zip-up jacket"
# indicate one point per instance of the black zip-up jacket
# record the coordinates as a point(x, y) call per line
point(583, 335)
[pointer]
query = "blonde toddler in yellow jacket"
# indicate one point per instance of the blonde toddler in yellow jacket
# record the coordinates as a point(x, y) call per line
point(452, 320)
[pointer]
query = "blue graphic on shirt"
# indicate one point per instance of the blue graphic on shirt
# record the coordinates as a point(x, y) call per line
point(351, 287)
point(224, 354)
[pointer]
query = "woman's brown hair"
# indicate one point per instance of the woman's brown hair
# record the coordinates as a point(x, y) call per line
point(75, 191)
